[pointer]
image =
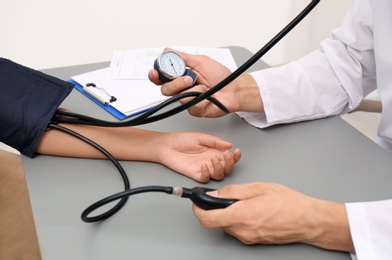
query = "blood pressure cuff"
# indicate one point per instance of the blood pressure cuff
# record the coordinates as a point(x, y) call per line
point(28, 100)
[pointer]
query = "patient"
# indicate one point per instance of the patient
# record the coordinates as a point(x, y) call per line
point(30, 98)
point(197, 155)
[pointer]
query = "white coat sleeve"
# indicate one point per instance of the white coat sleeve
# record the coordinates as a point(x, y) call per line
point(329, 81)
point(371, 227)
point(303, 90)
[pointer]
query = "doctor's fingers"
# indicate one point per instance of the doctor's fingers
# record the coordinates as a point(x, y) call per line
point(218, 218)
point(199, 109)
point(176, 86)
point(244, 191)
point(154, 77)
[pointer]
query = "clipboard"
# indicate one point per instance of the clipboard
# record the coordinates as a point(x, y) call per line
point(121, 98)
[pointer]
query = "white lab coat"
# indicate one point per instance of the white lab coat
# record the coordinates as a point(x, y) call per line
point(334, 80)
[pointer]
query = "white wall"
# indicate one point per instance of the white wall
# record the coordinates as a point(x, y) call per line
point(53, 33)
point(307, 36)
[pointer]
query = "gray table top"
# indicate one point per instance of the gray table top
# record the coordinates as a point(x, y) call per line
point(325, 158)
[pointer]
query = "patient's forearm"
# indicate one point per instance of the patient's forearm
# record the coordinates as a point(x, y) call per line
point(124, 143)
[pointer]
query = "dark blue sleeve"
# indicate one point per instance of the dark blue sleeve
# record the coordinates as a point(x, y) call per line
point(28, 100)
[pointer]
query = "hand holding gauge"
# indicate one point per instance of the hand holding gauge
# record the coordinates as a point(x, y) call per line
point(171, 65)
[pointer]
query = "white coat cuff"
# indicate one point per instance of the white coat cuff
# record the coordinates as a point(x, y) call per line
point(371, 227)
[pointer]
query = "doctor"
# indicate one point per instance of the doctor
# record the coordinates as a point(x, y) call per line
point(329, 81)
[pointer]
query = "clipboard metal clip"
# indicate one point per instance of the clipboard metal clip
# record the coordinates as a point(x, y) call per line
point(99, 94)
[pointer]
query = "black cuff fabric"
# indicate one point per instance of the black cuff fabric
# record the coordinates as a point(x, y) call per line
point(28, 100)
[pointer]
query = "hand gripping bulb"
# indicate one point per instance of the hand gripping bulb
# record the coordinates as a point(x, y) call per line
point(199, 196)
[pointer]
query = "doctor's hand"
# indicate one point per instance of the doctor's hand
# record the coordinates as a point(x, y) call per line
point(240, 95)
point(269, 213)
point(197, 155)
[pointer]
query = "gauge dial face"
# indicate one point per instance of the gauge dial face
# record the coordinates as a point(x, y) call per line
point(171, 64)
